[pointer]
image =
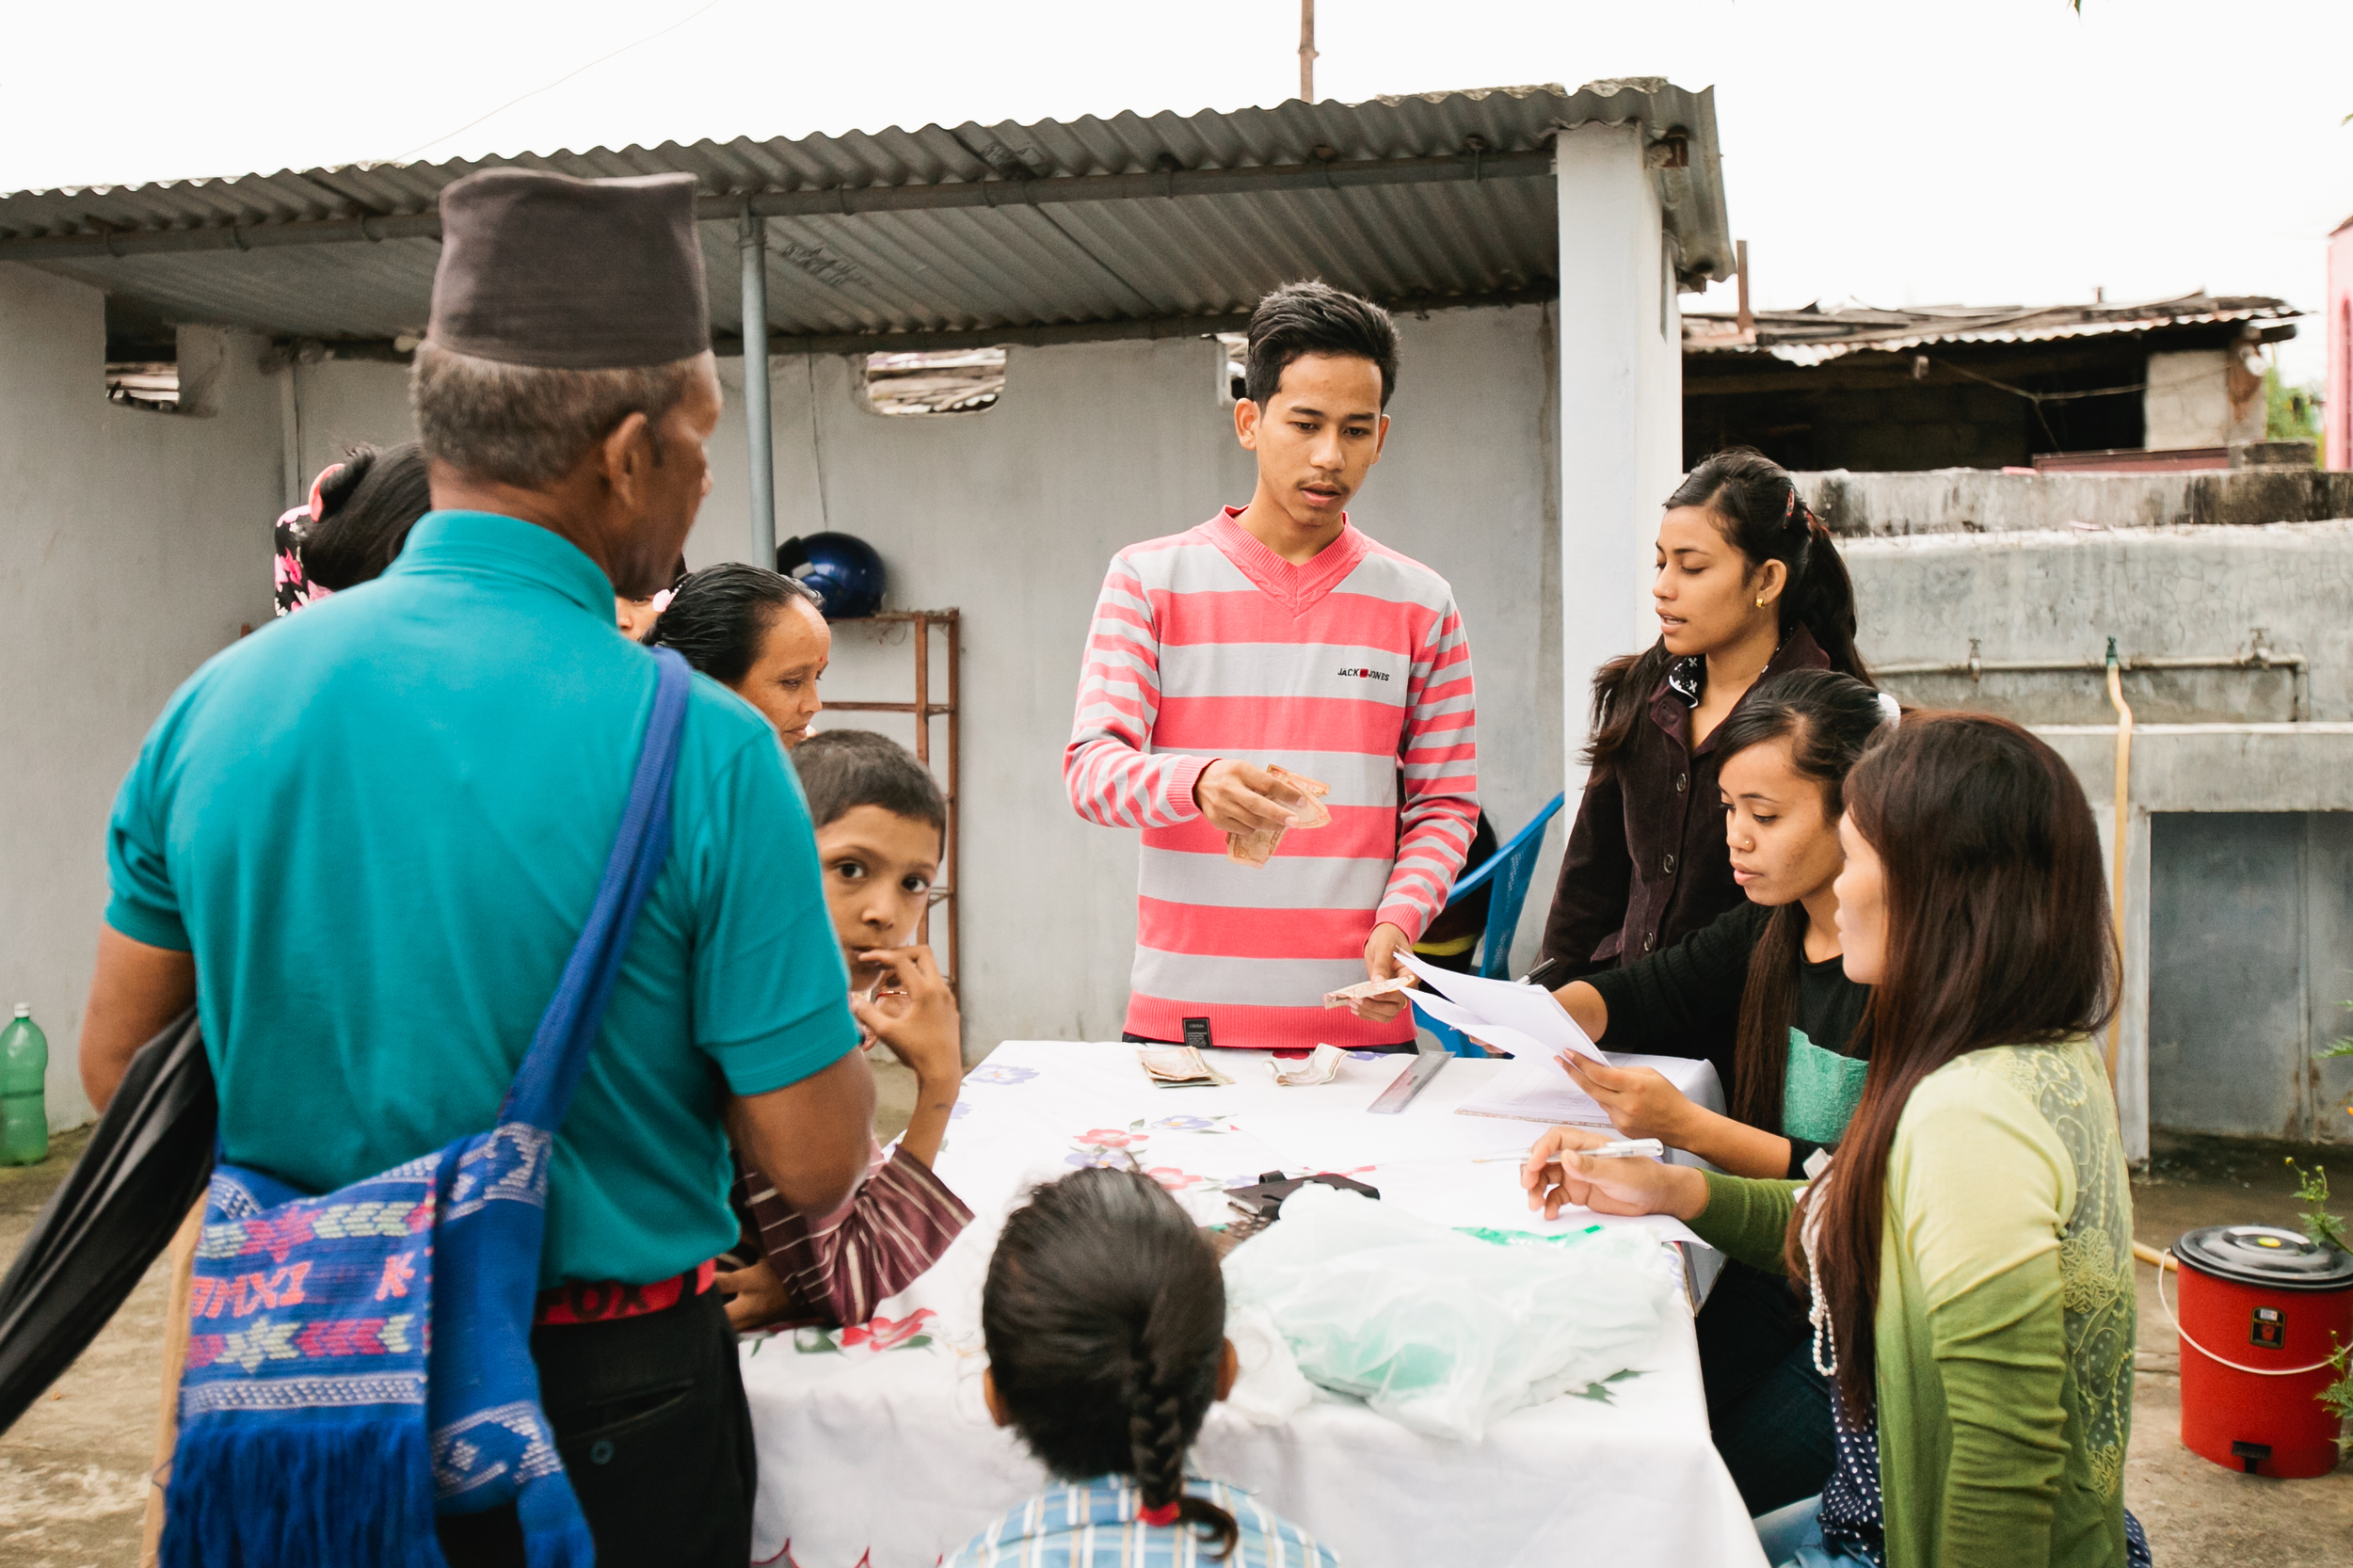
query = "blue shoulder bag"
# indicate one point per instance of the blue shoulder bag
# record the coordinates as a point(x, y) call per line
point(359, 1362)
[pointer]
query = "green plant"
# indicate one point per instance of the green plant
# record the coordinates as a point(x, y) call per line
point(2290, 413)
point(2321, 1228)
point(2338, 1396)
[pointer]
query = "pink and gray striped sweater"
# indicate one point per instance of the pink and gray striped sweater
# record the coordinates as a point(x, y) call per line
point(1351, 669)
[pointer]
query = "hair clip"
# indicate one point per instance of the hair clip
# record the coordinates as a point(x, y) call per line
point(1890, 710)
point(317, 511)
point(1164, 1515)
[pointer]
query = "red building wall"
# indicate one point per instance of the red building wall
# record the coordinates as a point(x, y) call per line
point(2337, 413)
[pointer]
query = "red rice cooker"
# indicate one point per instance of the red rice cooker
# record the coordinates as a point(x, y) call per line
point(2262, 1310)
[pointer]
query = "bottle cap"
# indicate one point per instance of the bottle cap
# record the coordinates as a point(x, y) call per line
point(24, 1009)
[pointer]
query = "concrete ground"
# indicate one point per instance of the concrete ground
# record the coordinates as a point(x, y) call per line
point(74, 1471)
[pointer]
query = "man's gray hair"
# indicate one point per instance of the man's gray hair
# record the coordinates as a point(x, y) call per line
point(525, 425)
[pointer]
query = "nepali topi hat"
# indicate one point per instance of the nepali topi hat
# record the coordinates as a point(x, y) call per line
point(562, 274)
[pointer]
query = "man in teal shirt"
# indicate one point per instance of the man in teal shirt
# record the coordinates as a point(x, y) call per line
point(364, 840)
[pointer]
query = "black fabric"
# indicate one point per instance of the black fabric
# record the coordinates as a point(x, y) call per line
point(654, 1431)
point(1686, 1002)
point(1776, 1437)
point(144, 1168)
point(1646, 864)
point(542, 269)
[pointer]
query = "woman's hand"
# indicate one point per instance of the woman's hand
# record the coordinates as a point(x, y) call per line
point(756, 1297)
point(1557, 1176)
point(1639, 1101)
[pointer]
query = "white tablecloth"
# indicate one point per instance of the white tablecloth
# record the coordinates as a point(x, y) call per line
point(874, 1441)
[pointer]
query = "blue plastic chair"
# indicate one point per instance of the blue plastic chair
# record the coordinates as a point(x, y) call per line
point(1510, 869)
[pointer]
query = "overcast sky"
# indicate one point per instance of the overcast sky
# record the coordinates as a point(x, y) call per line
point(1896, 152)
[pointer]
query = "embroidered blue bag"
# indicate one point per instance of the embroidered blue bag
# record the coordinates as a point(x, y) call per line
point(361, 1360)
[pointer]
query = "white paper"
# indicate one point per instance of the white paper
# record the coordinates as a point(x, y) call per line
point(1527, 1010)
point(1538, 1089)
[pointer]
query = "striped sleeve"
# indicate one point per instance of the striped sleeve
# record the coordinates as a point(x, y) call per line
point(845, 1264)
point(1109, 768)
point(1439, 806)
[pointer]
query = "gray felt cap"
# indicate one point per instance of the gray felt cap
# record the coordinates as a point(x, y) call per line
point(543, 269)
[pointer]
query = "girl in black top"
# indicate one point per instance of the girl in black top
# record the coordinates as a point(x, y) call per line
point(1767, 976)
point(1748, 586)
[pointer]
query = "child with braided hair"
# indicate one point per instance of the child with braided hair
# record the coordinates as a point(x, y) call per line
point(1105, 1317)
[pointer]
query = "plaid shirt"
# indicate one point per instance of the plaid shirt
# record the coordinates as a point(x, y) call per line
point(1092, 1523)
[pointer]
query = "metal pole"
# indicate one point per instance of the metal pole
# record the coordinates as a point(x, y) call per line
point(759, 433)
point(1308, 51)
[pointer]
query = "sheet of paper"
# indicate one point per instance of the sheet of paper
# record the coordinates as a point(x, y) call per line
point(1535, 1089)
point(1528, 1008)
point(1501, 1036)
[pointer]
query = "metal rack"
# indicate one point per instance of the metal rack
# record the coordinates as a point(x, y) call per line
point(924, 710)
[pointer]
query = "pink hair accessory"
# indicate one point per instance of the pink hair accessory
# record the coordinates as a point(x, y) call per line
point(324, 474)
point(1164, 1515)
point(662, 600)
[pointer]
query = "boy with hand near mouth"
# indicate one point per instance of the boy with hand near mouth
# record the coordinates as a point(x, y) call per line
point(1277, 637)
point(880, 822)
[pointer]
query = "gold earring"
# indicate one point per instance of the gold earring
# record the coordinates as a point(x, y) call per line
point(1760, 602)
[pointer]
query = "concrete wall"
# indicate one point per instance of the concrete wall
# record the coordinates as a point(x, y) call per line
point(2214, 1042)
point(2060, 595)
point(1982, 501)
point(1621, 378)
point(2189, 403)
point(133, 546)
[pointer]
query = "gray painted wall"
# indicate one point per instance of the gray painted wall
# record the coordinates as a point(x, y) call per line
point(133, 546)
point(1012, 514)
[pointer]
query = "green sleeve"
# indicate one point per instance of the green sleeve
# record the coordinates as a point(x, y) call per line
point(1747, 1218)
point(1982, 1188)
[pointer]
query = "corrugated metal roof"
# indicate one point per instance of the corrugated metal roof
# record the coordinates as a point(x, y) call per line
point(1428, 198)
point(1814, 335)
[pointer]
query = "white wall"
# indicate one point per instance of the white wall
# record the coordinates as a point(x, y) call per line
point(1013, 514)
point(341, 403)
point(1621, 377)
point(133, 545)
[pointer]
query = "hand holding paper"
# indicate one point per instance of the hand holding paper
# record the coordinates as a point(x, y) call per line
point(1639, 1101)
point(1503, 1014)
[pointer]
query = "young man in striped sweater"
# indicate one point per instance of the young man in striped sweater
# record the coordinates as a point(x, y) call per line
point(1279, 634)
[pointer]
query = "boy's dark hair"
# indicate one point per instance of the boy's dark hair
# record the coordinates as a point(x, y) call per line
point(366, 507)
point(1759, 512)
point(1315, 318)
point(844, 769)
point(1105, 1318)
point(1829, 720)
point(719, 614)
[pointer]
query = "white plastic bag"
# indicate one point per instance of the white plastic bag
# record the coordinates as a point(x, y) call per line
point(1437, 1331)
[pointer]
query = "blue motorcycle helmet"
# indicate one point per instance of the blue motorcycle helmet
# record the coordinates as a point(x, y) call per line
point(841, 569)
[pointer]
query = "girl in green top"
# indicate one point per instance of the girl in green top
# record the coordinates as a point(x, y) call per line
point(1970, 1252)
point(1766, 980)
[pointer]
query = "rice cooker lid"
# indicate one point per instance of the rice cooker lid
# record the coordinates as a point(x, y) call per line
point(2266, 1255)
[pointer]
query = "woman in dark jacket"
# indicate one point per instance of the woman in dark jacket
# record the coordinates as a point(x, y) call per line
point(1749, 584)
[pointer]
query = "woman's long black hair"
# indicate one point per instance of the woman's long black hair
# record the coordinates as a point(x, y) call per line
point(367, 504)
point(1759, 512)
point(718, 615)
point(1828, 719)
point(1105, 1317)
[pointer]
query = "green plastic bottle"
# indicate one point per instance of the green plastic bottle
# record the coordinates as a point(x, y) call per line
point(23, 1068)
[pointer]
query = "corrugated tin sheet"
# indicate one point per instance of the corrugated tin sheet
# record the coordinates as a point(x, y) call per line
point(965, 267)
point(1813, 336)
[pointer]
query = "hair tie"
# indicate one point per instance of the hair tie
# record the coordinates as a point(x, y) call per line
point(317, 507)
point(1889, 709)
point(1164, 1515)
